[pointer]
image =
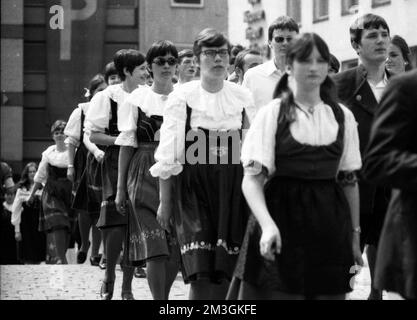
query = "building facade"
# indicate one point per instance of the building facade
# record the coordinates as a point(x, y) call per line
point(51, 48)
point(330, 19)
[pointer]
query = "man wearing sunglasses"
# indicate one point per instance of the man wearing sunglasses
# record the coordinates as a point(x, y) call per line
point(261, 80)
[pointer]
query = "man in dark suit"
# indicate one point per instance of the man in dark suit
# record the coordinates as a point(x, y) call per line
point(391, 159)
point(360, 89)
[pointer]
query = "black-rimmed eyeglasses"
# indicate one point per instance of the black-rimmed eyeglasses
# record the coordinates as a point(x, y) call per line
point(223, 53)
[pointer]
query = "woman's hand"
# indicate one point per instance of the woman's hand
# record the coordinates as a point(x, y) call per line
point(357, 253)
point(270, 243)
point(121, 202)
point(18, 236)
point(70, 174)
point(99, 155)
point(163, 216)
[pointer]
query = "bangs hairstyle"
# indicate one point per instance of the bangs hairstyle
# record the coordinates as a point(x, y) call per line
point(186, 53)
point(159, 49)
point(283, 23)
point(129, 59)
point(368, 21)
point(24, 177)
point(109, 70)
point(58, 125)
point(209, 38)
point(405, 50)
point(300, 50)
point(94, 83)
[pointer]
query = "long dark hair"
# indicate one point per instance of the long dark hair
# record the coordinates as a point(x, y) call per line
point(300, 49)
point(24, 178)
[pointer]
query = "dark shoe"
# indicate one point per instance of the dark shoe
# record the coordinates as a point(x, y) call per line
point(95, 261)
point(140, 273)
point(103, 264)
point(127, 296)
point(81, 257)
point(106, 291)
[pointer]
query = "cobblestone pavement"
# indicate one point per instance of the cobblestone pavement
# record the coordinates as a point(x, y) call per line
point(82, 282)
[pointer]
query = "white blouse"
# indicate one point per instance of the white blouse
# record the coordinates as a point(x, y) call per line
point(22, 195)
point(53, 157)
point(150, 103)
point(99, 112)
point(220, 111)
point(319, 128)
point(73, 127)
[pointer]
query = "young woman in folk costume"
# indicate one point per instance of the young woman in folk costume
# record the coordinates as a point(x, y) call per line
point(56, 218)
point(300, 154)
point(101, 123)
point(78, 149)
point(139, 121)
point(203, 191)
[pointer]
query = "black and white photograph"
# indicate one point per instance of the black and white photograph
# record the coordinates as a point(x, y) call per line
point(208, 154)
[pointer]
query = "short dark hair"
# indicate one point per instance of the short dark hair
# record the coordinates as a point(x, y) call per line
point(129, 59)
point(367, 21)
point(158, 49)
point(209, 38)
point(283, 23)
point(186, 53)
point(109, 70)
point(405, 50)
point(234, 52)
point(58, 125)
point(240, 58)
point(94, 83)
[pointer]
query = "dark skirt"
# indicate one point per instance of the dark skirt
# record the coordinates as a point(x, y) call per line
point(89, 193)
point(56, 212)
point(146, 238)
point(109, 216)
point(32, 248)
point(80, 161)
point(316, 233)
point(8, 246)
point(210, 219)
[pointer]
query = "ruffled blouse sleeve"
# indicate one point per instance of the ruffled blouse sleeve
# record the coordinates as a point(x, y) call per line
point(127, 117)
point(169, 155)
point(42, 174)
point(258, 149)
point(97, 117)
point(351, 156)
point(73, 127)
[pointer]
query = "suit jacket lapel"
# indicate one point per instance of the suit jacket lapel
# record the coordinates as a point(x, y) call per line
point(363, 94)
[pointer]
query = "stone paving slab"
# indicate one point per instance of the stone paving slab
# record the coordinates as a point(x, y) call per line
point(82, 282)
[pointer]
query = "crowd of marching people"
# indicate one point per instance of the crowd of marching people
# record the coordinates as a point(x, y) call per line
point(255, 180)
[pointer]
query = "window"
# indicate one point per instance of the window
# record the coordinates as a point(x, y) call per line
point(378, 3)
point(321, 10)
point(294, 9)
point(349, 7)
point(188, 3)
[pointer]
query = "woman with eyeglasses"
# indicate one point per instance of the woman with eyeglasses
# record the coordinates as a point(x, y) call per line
point(56, 213)
point(139, 121)
point(197, 162)
point(300, 155)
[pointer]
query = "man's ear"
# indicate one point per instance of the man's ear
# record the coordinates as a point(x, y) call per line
point(239, 72)
point(126, 73)
point(196, 61)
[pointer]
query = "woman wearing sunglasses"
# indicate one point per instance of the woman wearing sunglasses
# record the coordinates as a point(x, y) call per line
point(56, 214)
point(199, 171)
point(139, 121)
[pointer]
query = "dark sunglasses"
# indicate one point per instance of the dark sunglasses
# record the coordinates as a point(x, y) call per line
point(223, 53)
point(281, 39)
point(161, 61)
